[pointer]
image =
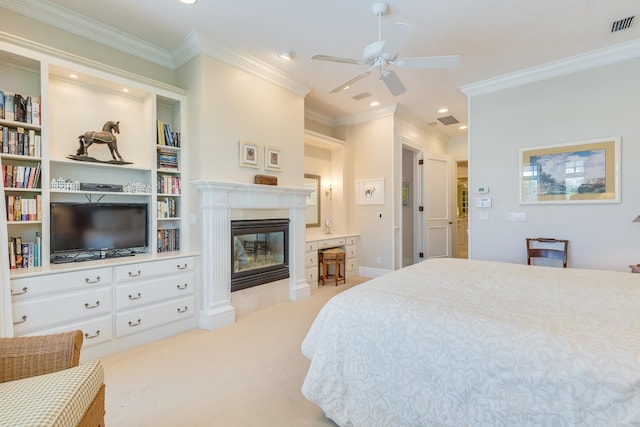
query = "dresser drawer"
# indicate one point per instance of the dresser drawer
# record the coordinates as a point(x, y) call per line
point(352, 240)
point(144, 270)
point(135, 294)
point(94, 331)
point(352, 267)
point(330, 243)
point(311, 247)
point(311, 275)
point(352, 252)
point(311, 260)
point(141, 319)
point(25, 287)
point(37, 313)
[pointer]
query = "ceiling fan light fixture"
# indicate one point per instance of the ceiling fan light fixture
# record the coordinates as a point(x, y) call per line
point(287, 54)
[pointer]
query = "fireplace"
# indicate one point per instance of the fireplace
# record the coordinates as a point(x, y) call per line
point(259, 252)
point(220, 204)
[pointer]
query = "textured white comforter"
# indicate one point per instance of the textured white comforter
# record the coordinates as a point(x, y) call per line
point(451, 342)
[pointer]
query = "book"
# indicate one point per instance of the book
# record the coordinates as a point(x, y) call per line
point(10, 205)
point(29, 117)
point(13, 141)
point(20, 108)
point(1, 104)
point(9, 113)
point(38, 146)
point(25, 254)
point(35, 111)
point(12, 254)
point(5, 139)
point(32, 176)
point(18, 249)
point(32, 142)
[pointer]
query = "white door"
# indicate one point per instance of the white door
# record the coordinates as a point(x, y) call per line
point(438, 205)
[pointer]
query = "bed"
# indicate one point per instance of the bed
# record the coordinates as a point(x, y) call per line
point(452, 342)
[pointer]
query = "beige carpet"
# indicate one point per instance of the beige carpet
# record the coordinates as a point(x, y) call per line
point(246, 374)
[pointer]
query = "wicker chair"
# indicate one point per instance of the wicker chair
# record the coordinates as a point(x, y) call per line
point(42, 382)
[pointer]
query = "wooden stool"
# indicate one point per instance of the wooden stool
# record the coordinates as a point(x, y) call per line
point(332, 257)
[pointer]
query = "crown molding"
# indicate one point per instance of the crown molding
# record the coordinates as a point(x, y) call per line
point(56, 16)
point(197, 44)
point(573, 64)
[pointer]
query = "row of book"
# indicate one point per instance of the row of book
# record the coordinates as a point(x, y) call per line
point(17, 176)
point(167, 208)
point(23, 208)
point(169, 184)
point(18, 108)
point(17, 141)
point(168, 240)
point(25, 254)
point(167, 159)
point(166, 136)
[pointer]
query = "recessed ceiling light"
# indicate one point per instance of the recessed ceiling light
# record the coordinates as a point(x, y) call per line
point(125, 90)
point(463, 127)
point(443, 110)
point(287, 54)
point(73, 76)
point(188, 1)
point(374, 103)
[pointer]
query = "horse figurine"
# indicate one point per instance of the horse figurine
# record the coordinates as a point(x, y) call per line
point(106, 136)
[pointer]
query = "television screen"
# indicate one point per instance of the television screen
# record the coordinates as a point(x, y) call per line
point(94, 226)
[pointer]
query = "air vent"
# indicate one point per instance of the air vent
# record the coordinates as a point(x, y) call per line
point(362, 95)
point(448, 120)
point(622, 24)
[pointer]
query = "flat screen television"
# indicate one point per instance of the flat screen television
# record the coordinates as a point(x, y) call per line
point(85, 227)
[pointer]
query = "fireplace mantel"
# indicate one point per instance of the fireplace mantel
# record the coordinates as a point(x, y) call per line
point(217, 200)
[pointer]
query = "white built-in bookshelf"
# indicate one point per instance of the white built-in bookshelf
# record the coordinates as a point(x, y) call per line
point(73, 99)
point(116, 302)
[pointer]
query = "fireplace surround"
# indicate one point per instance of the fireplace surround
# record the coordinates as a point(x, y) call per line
point(222, 202)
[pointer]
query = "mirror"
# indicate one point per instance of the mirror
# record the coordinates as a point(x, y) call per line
point(312, 211)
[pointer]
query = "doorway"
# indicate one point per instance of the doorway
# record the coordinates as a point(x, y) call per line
point(410, 199)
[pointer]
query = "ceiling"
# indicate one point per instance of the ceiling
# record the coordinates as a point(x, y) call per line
point(492, 37)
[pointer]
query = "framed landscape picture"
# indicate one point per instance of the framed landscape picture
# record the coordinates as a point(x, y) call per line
point(580, 172)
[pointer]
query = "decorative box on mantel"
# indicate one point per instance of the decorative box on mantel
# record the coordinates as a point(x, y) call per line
point(217, 201)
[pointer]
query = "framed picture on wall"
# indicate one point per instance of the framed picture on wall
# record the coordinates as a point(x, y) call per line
point(249, 155)
point(272, 158)
point(405, 194)
point(579, 172)
point(370, 191)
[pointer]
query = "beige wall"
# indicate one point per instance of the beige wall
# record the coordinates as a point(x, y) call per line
point(599, 102)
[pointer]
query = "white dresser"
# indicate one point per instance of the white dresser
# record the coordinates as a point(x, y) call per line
point(117, 303)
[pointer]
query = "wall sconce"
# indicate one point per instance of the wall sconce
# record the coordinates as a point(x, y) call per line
point(328, 190)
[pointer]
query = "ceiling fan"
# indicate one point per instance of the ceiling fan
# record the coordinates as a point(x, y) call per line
point(382, 53)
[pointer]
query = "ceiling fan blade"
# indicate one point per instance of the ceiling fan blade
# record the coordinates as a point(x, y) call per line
point(399, 35)
point(352, 80)
point(393, 83)
point(338, 59)
point(449, 61)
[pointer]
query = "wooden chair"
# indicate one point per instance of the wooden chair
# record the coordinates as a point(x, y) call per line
point(542, 247)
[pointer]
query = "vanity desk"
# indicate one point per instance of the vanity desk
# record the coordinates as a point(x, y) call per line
point(315, 243)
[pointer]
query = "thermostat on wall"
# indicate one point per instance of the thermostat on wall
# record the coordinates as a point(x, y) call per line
point(483, 190)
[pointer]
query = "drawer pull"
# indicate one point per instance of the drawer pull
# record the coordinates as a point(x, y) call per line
point(132, 324)
point(183, 287)
point(24, 319)
point(89, 281)
point(24, 291)
point(182, 310)
point(90, 337)
point(182, 267)
point(134, 297)
point(89, 307)
point(135, 274)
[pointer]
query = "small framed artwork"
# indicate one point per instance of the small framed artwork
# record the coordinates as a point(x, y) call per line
point(405, 194)
point(579, 172)
point(249, 155)
point(370, 191)
point(272, 158)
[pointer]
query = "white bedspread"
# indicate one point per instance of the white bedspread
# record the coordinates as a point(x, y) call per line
point(451, 342)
